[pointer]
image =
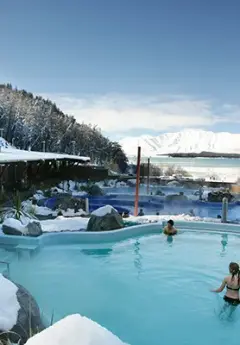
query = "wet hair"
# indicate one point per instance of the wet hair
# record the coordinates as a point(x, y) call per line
point(234, 270)
point(171, 222)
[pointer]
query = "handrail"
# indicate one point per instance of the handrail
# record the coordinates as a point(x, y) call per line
point(8, 266)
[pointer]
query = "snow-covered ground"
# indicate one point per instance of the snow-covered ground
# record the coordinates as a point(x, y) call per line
point(186, 141)
point(61, 224)
point(64, 224)
point(75, 330)
point(78, 223)
point(9, 305)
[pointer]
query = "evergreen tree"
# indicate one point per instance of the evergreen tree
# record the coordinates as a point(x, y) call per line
point(28, 121)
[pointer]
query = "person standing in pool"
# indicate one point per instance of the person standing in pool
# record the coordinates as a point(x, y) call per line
point(169, 229)
point(232, 284)
point(141, 213)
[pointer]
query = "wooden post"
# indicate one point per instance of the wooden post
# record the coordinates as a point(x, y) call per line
point(148, 175)
point(137, 182)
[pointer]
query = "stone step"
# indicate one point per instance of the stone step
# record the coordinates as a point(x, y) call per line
point(28, 247)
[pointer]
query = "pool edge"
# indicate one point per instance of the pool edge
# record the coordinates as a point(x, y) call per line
point(114, 235)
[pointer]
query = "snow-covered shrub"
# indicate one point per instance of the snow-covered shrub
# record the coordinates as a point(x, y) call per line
point(17, 211)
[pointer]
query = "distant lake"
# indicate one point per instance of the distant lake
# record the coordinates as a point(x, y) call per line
point(197, 162)
point(223, 167)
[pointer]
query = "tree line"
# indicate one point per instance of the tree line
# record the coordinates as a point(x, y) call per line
point(33, 123)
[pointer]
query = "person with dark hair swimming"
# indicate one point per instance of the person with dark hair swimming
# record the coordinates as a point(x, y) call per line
point(169, 229)
point(232, 284)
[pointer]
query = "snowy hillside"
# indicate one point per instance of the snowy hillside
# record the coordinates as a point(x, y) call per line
point(186, 141)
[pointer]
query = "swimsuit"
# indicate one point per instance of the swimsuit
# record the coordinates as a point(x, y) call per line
point(229, 288)
point(232, 301)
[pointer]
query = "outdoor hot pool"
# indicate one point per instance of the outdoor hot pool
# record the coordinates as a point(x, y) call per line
point(147, 290)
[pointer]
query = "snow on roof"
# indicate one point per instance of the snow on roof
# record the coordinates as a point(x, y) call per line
point(102, 211)
point(75, 330)
point(9, 154)
point(9, 305)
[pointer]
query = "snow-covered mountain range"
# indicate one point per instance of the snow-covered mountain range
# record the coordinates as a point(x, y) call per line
point(186, 141)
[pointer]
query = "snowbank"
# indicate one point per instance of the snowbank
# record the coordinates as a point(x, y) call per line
point(102, 211)
point(9, 305)
point(64, 224)
point(75, 330)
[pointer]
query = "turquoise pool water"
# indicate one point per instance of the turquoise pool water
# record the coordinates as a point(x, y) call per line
point(146, 290)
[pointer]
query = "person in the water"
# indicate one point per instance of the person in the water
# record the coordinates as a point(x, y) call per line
point(141, 213)
point(232, 284)
point(169, 229)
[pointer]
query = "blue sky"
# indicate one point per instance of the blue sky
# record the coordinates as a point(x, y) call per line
point(130, 66)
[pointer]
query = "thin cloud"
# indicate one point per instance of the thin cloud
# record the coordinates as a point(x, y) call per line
point(116, 114)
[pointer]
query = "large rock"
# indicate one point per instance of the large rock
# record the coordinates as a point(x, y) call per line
point(34, 229)
point(176, 197)
point(159, 193)
point(9, 230)
point(174, 183)
point(29, 320)
point(219, 195)
point(105, 218)
point(13, 226)
point(94, 190)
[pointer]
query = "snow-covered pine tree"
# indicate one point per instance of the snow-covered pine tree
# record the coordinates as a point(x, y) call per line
point(30, 120)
